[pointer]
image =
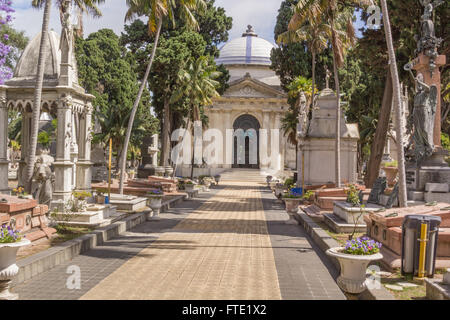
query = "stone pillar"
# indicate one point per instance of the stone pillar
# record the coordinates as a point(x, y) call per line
point(422, 65)
point(4, 163)
point(63, 165)
point(227, 125)
point(25, 142)
point(265, 149)
point(84, 164)
point(74, 149)
point(277, 125)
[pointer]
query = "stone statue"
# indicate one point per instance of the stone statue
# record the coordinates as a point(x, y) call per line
point(66, 23)
point(43, 179)
point(302, 116)
point(425, 103)
point(427, 42)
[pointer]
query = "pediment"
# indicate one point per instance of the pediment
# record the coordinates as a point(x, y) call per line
point(251, 88)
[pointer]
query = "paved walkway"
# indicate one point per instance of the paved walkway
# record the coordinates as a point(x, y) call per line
point(229, 244)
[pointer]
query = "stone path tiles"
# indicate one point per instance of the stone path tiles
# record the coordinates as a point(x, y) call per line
point(220, 251)
point(304, 272)
point(232, 244)
point(98, 263)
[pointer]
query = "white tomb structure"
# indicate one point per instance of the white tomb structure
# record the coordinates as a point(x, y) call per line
point(319, 145)
point(254, 100)
point(65, 100)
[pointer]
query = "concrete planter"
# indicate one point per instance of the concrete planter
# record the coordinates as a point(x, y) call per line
point(189, 187)
point(279, 190)
point(155, 203)
point(169, 171)
point(391, 174)
point(292, 208)
point(353, 269)
point(9, 268)
point(159, 171)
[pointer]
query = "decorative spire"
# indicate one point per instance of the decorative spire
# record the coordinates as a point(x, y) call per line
point(250, 32)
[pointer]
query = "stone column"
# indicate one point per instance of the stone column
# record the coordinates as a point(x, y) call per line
point(265, 146)
point(277, 125)
point(227, 125)
point(84, 164)
point(63, 165)
point(25, 142)
point(3, 144)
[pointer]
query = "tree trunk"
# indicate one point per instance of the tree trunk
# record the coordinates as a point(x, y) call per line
point(338, 114)
point(135, 106)
point(166, 134)
point(379, 141)
point(43, 49)
point(403, 197)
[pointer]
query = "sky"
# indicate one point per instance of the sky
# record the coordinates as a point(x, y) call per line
point(260, 14)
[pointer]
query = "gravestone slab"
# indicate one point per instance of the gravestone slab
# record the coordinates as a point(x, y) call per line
point(377, 190)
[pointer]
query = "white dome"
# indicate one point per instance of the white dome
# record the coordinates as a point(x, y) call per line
point(27, 65)
point(249, 49)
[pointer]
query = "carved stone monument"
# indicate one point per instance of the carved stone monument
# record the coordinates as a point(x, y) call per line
point(149, 151)
point(428, 165)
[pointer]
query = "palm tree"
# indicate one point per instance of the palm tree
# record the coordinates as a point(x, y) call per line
point(338, 19)
point(198, 85)
point(84, 6)
point(315, 35)
point(43, 50)
point(403, 199)
point(156, 10)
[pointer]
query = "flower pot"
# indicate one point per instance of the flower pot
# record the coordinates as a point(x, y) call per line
point(159, 171)
point(391, 174)
point(353, 269)
point(131, 176)
point(292, 208)
point(279, 190)
point(155, 203)
point(169, 171)
point(101, 199)
point(9, 268)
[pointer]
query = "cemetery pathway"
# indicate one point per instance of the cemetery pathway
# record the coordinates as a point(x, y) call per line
point(229, 244)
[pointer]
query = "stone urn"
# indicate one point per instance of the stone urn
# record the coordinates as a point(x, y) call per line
point(189, 187)
point(155, 203)
point(391, 174)
point(279, 190)
point(292, 208)
point(207, 184)
point(131, 174)
point(8, 267)
point(217, 179)
point(168, 171)
point(159, 171)
point(353, 269)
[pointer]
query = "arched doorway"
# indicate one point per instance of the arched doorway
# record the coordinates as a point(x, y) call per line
point(246, 142)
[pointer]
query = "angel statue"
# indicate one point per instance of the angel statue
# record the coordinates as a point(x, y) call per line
point(425, 103)
point(302, 116)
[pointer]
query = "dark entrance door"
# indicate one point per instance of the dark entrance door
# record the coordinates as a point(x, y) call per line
point(246, 142)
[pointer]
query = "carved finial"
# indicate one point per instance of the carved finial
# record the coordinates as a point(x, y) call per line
point(250, 32)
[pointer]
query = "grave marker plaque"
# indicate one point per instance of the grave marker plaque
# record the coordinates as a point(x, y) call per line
point(378, 188)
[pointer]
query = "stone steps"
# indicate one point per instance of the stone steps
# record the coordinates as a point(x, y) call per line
point(250, 175)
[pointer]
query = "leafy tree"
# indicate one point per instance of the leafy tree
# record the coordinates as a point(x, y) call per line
point(107, 72)
point(16, 40)
point(196, 82)
point(156, 11)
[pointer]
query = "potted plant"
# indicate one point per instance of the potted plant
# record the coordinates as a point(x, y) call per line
point(155, 203)
point(189, 186)
point(354, 259)
point(391, 170)
point(21, 194)
point(159, 171)
point(308, 197)
point(101, 196)
point(10, 242)
point(217, 178)
point(292, 201)
point(131, 174)
point(268, 180)
point(79, 200)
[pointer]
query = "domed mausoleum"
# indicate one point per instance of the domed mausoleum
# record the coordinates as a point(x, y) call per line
point(254, 100)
